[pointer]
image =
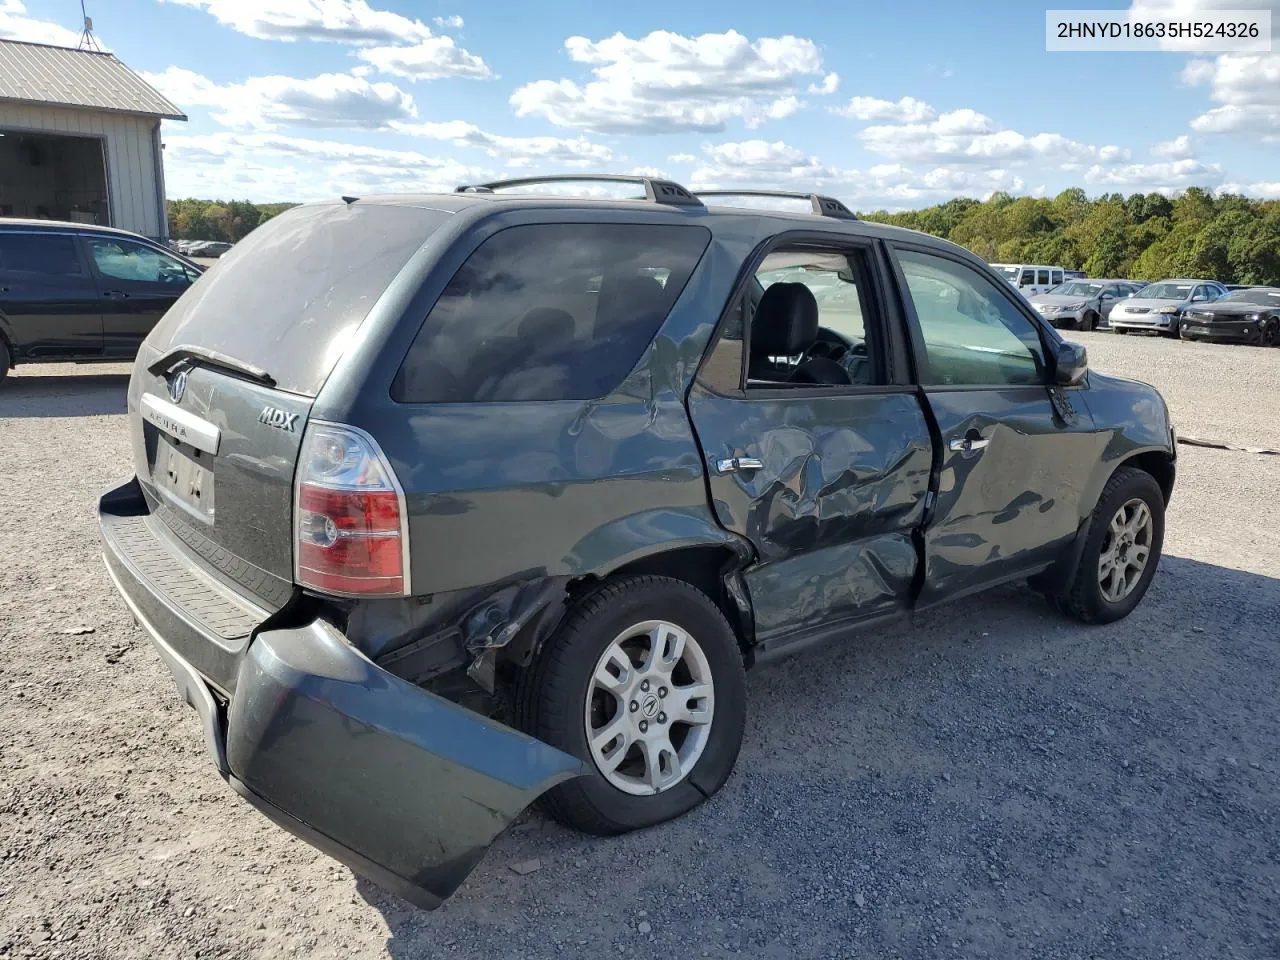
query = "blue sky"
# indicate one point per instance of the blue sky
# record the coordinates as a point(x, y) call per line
point(888, 104)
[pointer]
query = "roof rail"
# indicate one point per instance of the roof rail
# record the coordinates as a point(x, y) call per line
point(822, 206)
point(656, 190)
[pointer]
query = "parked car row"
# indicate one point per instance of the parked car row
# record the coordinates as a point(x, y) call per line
point(201, 248)
point(1192, 309)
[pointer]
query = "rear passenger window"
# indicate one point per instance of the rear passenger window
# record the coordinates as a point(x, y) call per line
point(48, 255)
point(1043, 278)
point(549, 312)
point(1057, 277)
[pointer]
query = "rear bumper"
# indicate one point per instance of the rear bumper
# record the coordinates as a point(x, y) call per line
point(404, 787)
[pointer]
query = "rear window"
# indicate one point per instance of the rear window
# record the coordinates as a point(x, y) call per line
point(49, 255)
point(289, 296)
point(549, 312)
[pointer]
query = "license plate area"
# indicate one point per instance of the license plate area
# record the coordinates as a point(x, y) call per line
point(182, 481)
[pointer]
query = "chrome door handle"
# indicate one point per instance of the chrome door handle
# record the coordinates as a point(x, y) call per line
point(968, 445)
point(738, 464)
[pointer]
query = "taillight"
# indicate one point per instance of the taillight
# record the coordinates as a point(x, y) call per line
point(350, 528)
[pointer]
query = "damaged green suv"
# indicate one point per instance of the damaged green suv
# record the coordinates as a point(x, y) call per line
point(446, 503)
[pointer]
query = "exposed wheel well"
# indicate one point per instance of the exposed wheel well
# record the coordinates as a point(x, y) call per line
point(702, 567)
point(1157, 463)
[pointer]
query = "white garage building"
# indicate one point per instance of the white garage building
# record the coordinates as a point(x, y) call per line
point(80, 139)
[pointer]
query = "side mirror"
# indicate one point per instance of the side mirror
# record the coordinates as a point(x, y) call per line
point(1071, 363)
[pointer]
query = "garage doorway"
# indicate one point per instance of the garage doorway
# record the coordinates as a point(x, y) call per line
point(53, 177)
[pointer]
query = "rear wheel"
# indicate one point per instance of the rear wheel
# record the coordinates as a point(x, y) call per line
point(1121, 550)
point(644, 682)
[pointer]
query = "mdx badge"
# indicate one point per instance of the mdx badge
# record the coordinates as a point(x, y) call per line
point(278, 418)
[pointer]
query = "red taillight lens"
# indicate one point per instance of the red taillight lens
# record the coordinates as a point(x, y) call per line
point(349, 526)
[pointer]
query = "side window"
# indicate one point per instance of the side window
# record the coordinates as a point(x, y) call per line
point(39, 256)
point(1028, 278)
point(808, 324)
point(125, 260)
point(549, 312)
point(1042, 278)
point(973, 334)
point(1057, 277)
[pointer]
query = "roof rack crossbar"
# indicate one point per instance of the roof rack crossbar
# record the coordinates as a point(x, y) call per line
point(823, 206)
point(656, 190)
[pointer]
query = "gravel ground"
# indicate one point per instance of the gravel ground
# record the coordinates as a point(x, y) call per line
point(995, 782)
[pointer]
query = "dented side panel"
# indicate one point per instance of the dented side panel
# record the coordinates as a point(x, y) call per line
point(832, 510)
point(1012, 505)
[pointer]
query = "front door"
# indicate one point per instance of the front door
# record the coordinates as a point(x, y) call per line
point(813, 453)
point(48, 304)
point(137, 284)
point(1014, 459)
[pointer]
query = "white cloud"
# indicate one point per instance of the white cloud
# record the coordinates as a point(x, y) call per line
point(762, 164)
point(448, 23)
point(267, 166)
point(906, 110)
point(665, 82)
point(515, 151)
point(429, 59)
point(393, 43)
point(1247, 89)
point(830, 84)
point(266, 103)
point(1262, 190)
point(966, 136)
point(16, 25)
point(1167, 177)
point(1176, 149)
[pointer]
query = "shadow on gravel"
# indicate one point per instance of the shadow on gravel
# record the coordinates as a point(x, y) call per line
point(63, 395)
point(992, 781)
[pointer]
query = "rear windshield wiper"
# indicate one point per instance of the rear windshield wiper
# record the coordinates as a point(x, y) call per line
point(211, 358)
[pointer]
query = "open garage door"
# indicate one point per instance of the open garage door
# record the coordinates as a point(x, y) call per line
point(53, 177)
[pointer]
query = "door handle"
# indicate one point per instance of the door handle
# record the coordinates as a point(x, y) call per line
point(968, 446)
point(738, 464)
point(116, 295)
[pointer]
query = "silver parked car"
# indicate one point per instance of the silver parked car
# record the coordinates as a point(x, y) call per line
point(1158, 307)
point(1083, 304)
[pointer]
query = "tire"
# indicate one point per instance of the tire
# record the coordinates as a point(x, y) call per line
point(557, 697)
point(1084, 598)
point(1269, 336)
point(1119, 331)
point(6, 359)
point(1089, 322)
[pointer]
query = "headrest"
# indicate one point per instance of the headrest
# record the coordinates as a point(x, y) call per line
point(546, 323)
point(786, 321)
point(631, 296)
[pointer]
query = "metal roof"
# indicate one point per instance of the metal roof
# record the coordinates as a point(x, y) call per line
point(60, 76)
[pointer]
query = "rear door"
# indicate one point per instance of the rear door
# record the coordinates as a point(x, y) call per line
point(137, 284)
point(827, 481)
point(1014, 459)
point(48, 304)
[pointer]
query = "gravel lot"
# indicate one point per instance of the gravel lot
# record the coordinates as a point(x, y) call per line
point(996, 782)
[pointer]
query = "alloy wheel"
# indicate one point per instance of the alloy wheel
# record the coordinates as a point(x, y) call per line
point(1126, 548)
point(649, 707)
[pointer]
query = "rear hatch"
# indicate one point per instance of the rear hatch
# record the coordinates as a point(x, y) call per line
point(223, 386)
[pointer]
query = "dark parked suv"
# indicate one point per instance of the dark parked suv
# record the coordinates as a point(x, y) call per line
point(69, 291)
point(445, 503)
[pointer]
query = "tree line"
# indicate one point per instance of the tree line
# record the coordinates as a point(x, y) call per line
point(1145, 236)
point(226, 220)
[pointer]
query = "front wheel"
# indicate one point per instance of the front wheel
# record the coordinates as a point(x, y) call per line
point(1120, 331)
point(6, 359)
point(1269, 336)
point(1121, 550)
point(1090, 321)
point(644, 682)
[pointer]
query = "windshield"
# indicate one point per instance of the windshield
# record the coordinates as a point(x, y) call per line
point(1076, 289)
point(1166, 291)
point(1263, 295)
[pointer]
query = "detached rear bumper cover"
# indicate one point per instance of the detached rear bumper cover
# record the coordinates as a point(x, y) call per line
point(403, 786)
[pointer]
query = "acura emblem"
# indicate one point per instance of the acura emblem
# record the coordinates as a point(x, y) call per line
point(178, 386)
